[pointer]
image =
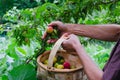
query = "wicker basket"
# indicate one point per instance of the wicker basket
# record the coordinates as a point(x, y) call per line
point(50, 73)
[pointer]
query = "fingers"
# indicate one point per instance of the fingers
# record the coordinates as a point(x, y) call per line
point(70, 38)
point(54, 40)
point(51, 41)
point(44, 35)
point(55, 23)
point(65, 35)
point(52, 24)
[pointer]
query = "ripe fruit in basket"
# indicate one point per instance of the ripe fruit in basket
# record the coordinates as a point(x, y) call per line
point(50, 29)
point(55, 65)
point(72, 67)
point(62, 61)
point(45, 62)
point(54, 60)
point(60, 66)
point(66, 65)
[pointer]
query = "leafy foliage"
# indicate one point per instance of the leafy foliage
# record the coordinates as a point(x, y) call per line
point(5, 5)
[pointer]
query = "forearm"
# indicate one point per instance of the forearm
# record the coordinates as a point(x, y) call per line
point(91, 70)
point(102, 32)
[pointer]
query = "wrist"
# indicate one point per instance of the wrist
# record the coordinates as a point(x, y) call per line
point(78, 48)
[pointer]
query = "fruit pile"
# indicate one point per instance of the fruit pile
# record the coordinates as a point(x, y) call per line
point(60, 63)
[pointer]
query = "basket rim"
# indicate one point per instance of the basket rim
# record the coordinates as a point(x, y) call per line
point(55, 69)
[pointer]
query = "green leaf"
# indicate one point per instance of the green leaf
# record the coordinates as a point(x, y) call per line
point(22, 50)
point(22, 72)
point(31, 33)
point(4, 77)
point(11, 51)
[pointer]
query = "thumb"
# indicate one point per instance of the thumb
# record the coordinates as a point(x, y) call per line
point(65, 35)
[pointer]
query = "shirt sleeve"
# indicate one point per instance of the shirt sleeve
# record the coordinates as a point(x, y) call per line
point(111, 75)
point(112, 71)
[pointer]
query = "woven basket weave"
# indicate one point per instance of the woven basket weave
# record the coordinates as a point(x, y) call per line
point(48, 72)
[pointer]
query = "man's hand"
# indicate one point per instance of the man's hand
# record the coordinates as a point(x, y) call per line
point(56, 25)
point(71, 43)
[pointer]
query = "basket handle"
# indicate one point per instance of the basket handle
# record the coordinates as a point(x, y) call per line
point(54, 51)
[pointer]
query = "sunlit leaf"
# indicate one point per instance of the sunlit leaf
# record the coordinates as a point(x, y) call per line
point(21, 50)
